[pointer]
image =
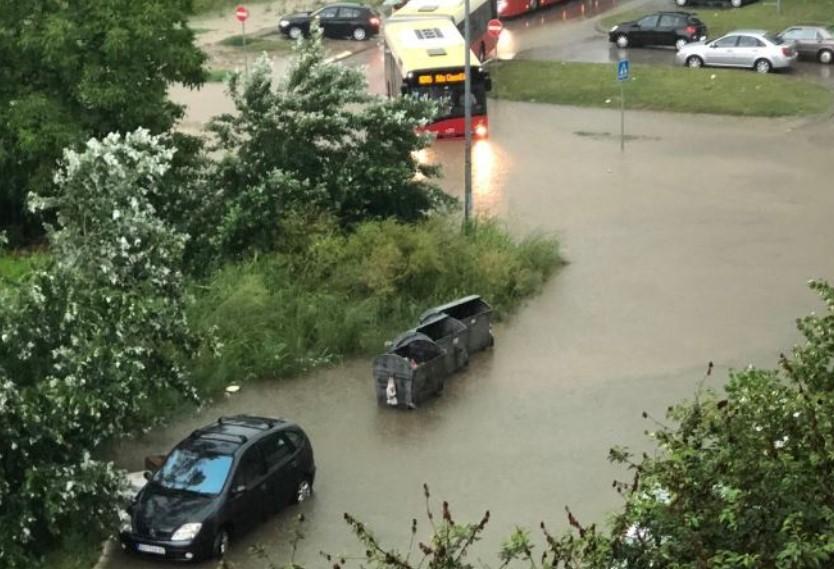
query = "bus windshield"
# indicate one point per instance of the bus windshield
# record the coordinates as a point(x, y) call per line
point(451, 98)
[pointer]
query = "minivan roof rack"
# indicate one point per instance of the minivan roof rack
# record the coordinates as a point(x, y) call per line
point(250, 421)
point(214, 435)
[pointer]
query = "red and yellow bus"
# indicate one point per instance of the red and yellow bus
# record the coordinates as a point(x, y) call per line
point(480, 13)
point(425, 58)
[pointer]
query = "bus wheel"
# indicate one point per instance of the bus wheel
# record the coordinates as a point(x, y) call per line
point(359, 33)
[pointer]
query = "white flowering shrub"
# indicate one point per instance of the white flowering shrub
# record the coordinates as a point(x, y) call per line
point(317, 140)
point(87, 344)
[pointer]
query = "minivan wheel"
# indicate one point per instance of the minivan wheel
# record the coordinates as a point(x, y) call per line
point(680, 44)
point(304, 490)
point(622, 41)
point(735, 3)
point(221, 544)
point(294, 32)
point(359, 33)
point(826, 56)
point(762, 66)
point(694, 62)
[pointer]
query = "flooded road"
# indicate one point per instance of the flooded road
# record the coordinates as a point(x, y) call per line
point(693, 246)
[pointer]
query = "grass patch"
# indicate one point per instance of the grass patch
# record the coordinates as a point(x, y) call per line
point(344, 295)
point(660, 88)
point(257, 44)
point(15, 265)
point(759, 15)
point(220, 6)
point(217, 75)
point(78, 549)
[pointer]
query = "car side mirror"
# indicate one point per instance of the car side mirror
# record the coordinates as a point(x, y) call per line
point(147, 474)
point(712, 45)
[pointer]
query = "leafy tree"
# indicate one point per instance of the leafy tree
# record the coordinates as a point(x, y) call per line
point(84, 68)
point(88, 342)
point(317, 141)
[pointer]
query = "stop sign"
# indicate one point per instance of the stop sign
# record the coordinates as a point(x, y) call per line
point(494, 27)
point(241, 13)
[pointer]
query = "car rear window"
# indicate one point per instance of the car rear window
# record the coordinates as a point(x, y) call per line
point(773, 39)
point(186, 470)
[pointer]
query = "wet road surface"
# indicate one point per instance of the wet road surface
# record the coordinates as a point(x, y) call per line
point(694, 245)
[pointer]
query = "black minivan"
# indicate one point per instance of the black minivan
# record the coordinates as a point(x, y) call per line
point(219, 481)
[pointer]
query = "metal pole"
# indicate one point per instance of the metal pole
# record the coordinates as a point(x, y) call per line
point(622, 117)
point(467, 119)
point(245, 57)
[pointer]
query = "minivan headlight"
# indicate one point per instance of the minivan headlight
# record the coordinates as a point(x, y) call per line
point(187, 532)
point(284, 23)
point(613, 29)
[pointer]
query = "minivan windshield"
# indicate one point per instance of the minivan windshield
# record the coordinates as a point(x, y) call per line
point(192, 472)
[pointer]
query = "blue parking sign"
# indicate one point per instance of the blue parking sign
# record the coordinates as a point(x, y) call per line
point(622, 70)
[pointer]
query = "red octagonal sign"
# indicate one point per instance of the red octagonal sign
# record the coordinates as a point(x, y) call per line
point(494, 27)
point(241, 13)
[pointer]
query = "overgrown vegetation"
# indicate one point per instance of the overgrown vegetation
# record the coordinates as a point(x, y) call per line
point(86, 341)
point(759, 15)
point(75, 70)
point(342, 294)
point(678, 89)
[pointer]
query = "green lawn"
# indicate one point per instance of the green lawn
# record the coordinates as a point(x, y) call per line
point(16, 265)
point(258, 44)
point(660, 88)
point(759, 15)
point(220, 6)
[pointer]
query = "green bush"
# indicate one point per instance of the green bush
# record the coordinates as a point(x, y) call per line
point(345, 294)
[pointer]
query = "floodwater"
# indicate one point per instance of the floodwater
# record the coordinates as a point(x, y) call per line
point(694, 245)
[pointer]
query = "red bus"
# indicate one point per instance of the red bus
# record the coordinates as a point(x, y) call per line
point(425, 58)
point(480, 13)
point(585, 8)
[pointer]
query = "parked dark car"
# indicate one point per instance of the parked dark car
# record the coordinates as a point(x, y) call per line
point(216, 483)
point(661, 28)
point(812, 42)
point(722, 3)
point(336, 20)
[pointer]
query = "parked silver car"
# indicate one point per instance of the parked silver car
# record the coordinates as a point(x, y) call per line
point(754, 49)
point(816, 42)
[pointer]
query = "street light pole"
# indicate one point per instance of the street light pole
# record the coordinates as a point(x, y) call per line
point(467, 119)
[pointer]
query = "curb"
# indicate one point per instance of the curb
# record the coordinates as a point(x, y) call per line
point(347, 53)
point(107, 549)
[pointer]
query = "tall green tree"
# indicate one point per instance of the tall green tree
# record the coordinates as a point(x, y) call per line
point(75, 69)
point(86, 343)
point(317, 139)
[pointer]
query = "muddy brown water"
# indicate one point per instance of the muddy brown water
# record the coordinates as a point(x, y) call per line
point(694, 245)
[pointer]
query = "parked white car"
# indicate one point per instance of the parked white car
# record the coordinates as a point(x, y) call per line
point(753, 49)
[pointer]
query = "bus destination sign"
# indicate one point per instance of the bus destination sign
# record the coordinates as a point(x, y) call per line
point(440, 78)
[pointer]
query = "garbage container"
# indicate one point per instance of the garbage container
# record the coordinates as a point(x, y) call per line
point(451, 335)
point(474, 313)
point(411, 372)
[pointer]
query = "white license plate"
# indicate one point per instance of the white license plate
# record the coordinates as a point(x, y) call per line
point(144, 548)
